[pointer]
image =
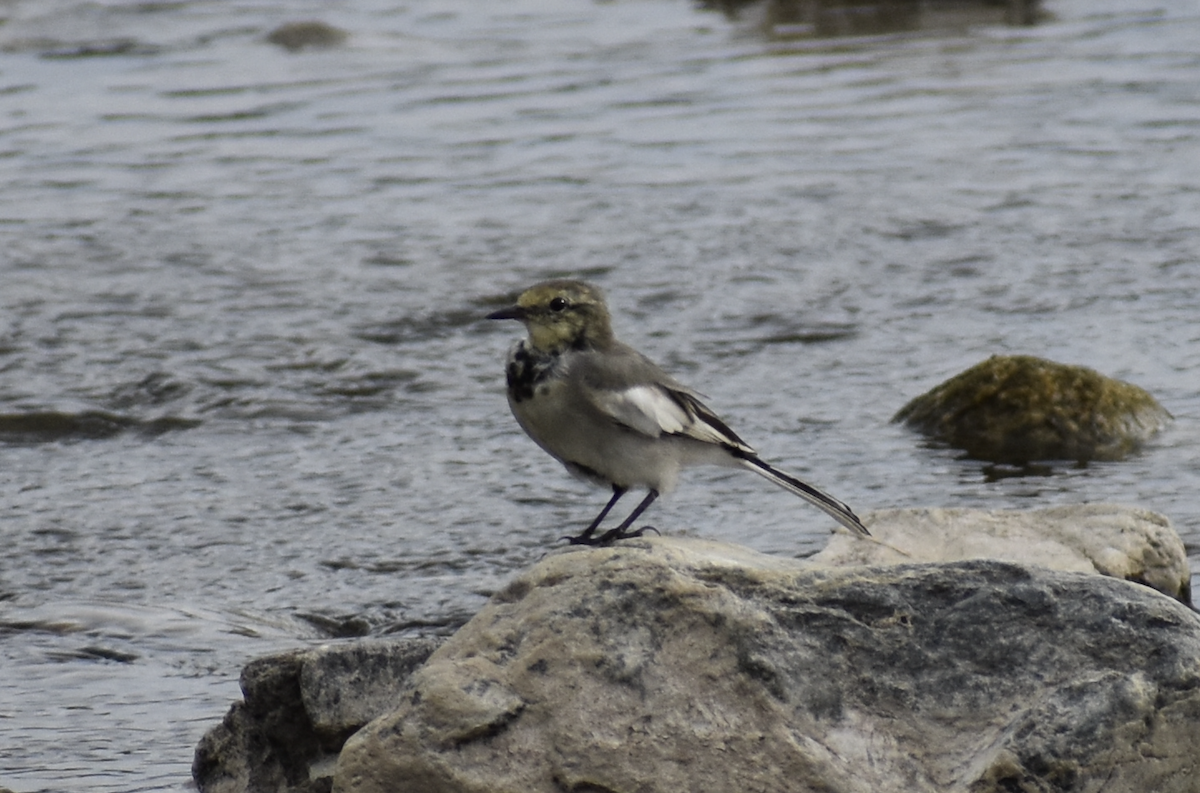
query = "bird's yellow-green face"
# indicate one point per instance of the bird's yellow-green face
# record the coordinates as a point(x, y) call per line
point(561, 314)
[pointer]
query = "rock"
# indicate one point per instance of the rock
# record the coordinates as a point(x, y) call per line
point(823, 18)
point(1019, 409)
point(667, 664)
point(1120, 541)
point(345, 686)
point(52, 426)
point(297, 36)
point(298, 709)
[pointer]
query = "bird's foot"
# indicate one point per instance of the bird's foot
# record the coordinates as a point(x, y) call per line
point(609, 537)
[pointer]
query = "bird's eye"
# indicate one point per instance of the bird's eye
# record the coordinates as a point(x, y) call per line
point(558, 304)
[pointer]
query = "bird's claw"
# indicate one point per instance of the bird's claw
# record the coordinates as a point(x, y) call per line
point(608, 537)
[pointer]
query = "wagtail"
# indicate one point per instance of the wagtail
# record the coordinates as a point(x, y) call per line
point(611, 415)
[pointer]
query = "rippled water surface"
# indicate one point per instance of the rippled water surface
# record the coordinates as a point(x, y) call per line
point(246, 398)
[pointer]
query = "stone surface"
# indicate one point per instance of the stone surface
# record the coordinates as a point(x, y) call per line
point(667, 664)
point(1020, 409)
point(1114, 540)
point(298, 709)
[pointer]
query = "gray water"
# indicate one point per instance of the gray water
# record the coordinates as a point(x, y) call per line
point(247, 402)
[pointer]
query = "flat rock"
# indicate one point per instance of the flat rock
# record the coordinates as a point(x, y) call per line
point(668, 664)
point(1020, 409)
point(1110, 539)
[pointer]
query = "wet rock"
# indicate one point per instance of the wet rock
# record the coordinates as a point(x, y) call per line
point(51, 426)
point(1019, 409)
point(667, 664)
point(831, 18)
point(297, 36)
point(1110, 539)
point(100, 48)
point(298, 709)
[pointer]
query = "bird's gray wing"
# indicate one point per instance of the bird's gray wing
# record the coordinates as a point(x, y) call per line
point(632, 391)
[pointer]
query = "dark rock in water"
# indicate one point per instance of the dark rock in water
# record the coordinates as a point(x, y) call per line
point(1020, 409)
point(50, 426)
point(831, 18)
point(298, 710)
point(666, 664)
point(296, 36)
point(97, 49)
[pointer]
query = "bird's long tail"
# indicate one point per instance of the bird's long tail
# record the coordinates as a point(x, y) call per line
point(822, 501)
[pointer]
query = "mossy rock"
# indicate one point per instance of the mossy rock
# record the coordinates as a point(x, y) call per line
point(1019, 409)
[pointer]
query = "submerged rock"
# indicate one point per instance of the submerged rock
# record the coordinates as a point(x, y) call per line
point(1020, 409)
point(826, 18)
point(297, 36)
point(51, 426)
point(667, 664)
point(298, 709)
point(1110, 539)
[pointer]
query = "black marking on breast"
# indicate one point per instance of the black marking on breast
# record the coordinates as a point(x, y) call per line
point(525, 370)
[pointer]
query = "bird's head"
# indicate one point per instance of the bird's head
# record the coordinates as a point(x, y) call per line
point(560, 315)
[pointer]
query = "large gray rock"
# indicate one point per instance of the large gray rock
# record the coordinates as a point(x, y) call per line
point(298, 709)
point(1110, 539)
point(672, 665)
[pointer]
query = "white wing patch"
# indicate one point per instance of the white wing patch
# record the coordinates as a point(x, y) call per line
point(652, 410)
point(645, 408)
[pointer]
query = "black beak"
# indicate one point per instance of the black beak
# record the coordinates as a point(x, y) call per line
point(512, 312)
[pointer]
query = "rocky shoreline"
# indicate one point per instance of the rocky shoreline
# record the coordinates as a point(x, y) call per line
point(680, 664)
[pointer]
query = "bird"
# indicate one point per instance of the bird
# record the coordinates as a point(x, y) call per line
point(611, 416)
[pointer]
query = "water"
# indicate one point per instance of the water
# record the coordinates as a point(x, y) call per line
point(246, 399)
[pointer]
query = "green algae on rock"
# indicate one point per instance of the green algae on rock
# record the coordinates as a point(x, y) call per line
point(1019, 409)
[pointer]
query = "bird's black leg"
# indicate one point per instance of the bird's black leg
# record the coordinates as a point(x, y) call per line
point(585, 538)
point(620, 533)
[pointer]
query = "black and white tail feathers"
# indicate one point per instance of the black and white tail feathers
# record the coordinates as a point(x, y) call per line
point(822, 501)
